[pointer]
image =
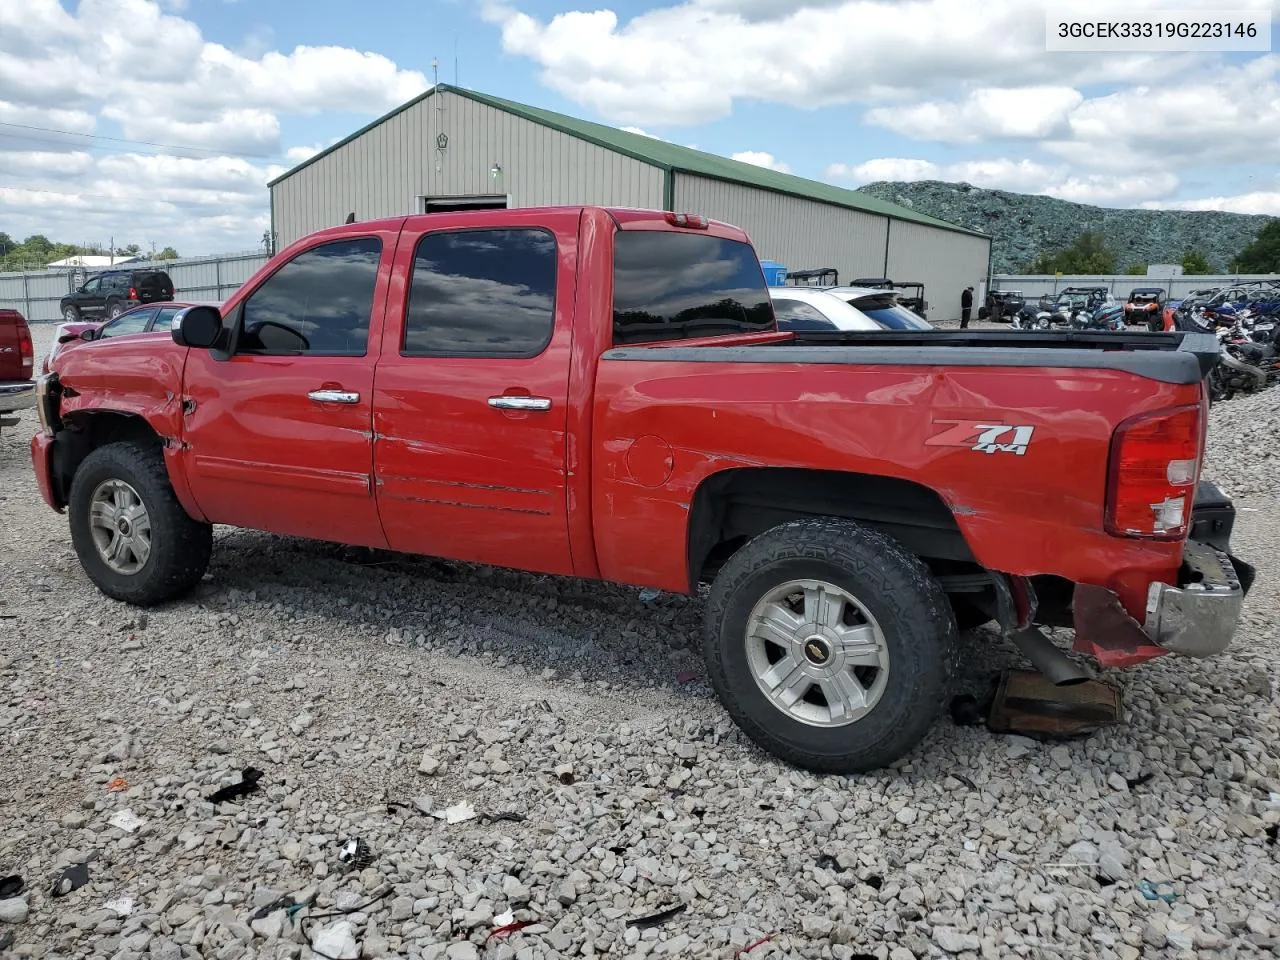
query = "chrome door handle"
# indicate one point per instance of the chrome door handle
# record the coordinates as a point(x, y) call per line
point(334, 396)
point(520, 403)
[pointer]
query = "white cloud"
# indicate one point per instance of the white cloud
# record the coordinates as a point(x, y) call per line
point(296, 155)
point(761, 159)
point(884, 168)
point(643, 133)
point(1022, 176)
point(669, 64)
point(1027, 113)
point(1260, 201)
point(134, 69)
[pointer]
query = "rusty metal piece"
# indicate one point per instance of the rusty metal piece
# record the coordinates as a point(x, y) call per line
point(1106, 632)
point(1028, 703)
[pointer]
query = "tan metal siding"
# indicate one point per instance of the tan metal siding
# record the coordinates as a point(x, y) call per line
point(944, 261)
point(799, 233)
point(384, 172)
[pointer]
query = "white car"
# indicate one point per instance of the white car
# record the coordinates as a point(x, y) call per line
point(842, 308)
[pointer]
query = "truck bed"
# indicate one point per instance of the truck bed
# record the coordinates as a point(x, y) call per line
point(1178, 358)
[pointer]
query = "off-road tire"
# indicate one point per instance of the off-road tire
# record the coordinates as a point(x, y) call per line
point(907, 602)
point(76, 315)
point(114, 310)
point(180, 546)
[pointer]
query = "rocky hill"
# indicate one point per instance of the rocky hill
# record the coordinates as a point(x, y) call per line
point(1023, 226)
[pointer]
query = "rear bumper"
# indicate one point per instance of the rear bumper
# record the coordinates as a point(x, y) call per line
point(1196, 617)
point(18, 395)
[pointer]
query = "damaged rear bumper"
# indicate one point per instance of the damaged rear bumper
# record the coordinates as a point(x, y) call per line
point(1197, 617)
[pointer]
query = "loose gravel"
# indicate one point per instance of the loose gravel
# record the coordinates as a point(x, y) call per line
point(511, 749)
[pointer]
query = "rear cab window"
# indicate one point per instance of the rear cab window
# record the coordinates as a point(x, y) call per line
point(679, 286)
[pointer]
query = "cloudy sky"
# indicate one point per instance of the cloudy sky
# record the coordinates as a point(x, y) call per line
point(160, 121)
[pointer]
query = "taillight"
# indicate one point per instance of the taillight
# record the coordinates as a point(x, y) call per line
point(26, 349)
point(1155, 465)
point(133, 293)
point(692, 221)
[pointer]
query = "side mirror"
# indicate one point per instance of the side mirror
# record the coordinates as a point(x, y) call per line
point(196, 327)
point(89, 334)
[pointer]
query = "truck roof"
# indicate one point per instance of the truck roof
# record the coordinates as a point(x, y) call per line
point(627, 218)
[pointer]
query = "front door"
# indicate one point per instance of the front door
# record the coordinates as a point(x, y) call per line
point(470, 402)
point(278, 435)
point(89, 299)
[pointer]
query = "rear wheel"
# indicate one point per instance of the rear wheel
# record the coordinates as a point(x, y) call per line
point(830, 645)
point(114, 311)
point(133, 537)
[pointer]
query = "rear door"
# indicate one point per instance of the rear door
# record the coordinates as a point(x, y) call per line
point(470, 402)
point(152, 285)
point(278, 434)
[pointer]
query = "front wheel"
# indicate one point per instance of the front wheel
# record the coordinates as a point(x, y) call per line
point(71, 315)
point(133, 537)
point(830, 645)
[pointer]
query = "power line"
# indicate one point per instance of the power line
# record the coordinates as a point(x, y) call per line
point(145, 143)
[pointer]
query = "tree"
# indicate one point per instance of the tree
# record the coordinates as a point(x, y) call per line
point(1136, 270)
point(1087, 255)
point(1195, 264)
point(6, 243)
point(1263, 254)
point(132, 250)
point(168, 253)
point(37, 244)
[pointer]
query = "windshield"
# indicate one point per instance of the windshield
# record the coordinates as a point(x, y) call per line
point(891, 316)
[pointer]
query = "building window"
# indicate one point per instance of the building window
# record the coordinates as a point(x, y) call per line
point(482, 293)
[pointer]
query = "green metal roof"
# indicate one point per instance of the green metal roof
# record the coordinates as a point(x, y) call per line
point(670, 157)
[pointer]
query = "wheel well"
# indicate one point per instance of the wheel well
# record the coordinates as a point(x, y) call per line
point(86, 431)
point(731, 507)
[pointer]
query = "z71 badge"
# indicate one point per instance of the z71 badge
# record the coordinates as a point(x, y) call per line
point(982, 437)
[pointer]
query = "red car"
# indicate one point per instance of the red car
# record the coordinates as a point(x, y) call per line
point(17, 390)
point(143, 319)
point(604, 394)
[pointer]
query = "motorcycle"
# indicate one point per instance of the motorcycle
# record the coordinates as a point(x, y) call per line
point(1250, 359)
point(1107, 316)
point(1031, 318)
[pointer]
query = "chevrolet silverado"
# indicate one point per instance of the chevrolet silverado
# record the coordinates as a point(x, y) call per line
point(605, 394)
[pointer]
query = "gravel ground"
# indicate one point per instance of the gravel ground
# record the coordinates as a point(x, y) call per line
point(581, 712)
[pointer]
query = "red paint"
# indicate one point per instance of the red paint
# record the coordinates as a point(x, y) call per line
point(456, 477)
point(41, 451)
point(601, 485)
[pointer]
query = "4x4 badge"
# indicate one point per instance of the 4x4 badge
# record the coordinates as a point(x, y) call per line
point(983, 437)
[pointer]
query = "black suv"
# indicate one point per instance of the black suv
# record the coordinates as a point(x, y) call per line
point(107, 295)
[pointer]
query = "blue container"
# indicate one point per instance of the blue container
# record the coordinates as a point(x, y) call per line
point(775, 273)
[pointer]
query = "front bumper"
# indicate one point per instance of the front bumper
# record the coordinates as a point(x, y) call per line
point(18, 395)
point(1196, 617)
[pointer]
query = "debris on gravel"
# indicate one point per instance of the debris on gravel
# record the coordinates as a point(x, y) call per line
point(373, 692)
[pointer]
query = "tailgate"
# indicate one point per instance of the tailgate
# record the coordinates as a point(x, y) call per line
point(10, 352)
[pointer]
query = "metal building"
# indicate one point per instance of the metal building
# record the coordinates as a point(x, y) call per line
point(453, 148)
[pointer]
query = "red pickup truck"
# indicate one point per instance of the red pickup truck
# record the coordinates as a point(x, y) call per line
point(604, 393)
point(17, 359)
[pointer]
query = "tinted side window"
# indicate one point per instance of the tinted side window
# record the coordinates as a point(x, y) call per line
point(93, 285)
point(482, 293)
point(673, 286)
point(164, 318)
point(795, 315)
point(317, 303)
point(133, 322)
